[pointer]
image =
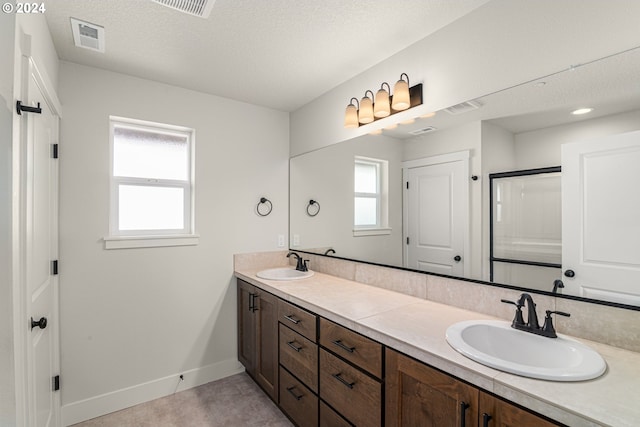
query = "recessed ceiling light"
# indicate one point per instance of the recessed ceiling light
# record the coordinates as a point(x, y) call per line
point(581, 111)
point(540, 84)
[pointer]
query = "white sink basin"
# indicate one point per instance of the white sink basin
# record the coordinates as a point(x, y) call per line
point(284, 273)
point(496, 344)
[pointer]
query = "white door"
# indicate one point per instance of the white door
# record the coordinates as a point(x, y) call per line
point(601, 218)
point(40, 190)
point(436, 214)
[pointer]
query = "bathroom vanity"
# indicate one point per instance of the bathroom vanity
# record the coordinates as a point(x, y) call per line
point(359, 354)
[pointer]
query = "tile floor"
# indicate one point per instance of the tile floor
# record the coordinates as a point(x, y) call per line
point(234, 401)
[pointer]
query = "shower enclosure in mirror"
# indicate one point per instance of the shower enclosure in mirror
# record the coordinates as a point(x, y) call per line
point(525, 228)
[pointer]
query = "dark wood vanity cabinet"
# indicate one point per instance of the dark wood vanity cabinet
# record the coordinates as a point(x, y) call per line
point(323, 374)
point(418, 395)
point(258, 336)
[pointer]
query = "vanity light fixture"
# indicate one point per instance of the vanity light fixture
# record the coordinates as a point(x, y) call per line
point(351, 115)
point(580, 111)
point(401, 98)
point(365, 115)
point(386, 104)
point(382, 107)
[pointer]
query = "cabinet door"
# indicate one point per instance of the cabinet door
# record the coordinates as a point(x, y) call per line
point(266, 361)
point(246, 326)
point(420, 396)
point(495, 412)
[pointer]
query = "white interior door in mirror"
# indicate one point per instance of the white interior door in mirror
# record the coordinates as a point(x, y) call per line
point(601, 218)
point(437, 214)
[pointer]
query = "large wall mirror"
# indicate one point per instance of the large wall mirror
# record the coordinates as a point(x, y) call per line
point(418, 196)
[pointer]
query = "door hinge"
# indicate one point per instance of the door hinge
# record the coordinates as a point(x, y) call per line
point(56, 383)
point(54, 267)
point(54, 151)
point(20, 108)
point(407, 185)
point(407, 240)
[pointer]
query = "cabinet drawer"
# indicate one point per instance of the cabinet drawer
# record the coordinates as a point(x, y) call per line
point(297, 319)
point(359, 350)
point(299, 356)
point(357, 396)
point(297, 400)
point(329, 417)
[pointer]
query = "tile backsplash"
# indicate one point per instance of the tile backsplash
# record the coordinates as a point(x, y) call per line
point(601, 323)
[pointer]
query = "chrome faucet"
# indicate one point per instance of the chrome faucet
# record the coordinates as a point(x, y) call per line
point(301, 265)
point(532, 325)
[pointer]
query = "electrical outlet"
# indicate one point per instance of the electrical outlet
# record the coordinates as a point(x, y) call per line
point(296, 240)
point(281, 240)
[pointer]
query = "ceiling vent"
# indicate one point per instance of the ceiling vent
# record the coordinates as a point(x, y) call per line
point(463, 107)
point(201, 8)
point(423, 130)
point(88, 36)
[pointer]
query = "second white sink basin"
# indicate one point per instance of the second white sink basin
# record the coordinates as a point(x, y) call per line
point(284, 273)
point(496, 344)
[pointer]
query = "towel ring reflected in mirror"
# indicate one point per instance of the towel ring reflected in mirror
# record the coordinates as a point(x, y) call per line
point(313, 208)
point(264, 206)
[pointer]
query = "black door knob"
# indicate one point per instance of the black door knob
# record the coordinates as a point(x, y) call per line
point(457, 258)
point(569, 273)
point(42, 323)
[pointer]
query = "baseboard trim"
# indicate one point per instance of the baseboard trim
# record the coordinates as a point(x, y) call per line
point(83, 410)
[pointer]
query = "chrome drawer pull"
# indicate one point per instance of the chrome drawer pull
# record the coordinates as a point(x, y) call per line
point(342, 346)
point(291, 319)
point(342, 380)
point(290, 344)
point(290, 390)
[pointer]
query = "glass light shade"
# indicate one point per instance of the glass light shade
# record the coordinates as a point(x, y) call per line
point(351, 117)
point(401, 99)
point(366, 110)
point(381, 107)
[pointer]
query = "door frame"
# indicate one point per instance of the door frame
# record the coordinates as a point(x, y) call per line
point(463, 156)
point(25, 65)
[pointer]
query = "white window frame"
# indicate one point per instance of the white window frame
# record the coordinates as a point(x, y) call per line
point(381, 197)
point(119, 239)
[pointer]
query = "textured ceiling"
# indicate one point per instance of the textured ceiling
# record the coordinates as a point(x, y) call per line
point(276, 53)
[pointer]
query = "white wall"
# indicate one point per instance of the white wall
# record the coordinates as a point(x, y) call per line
point(132, 317)
point(7, 385)
point(465, 60)
point(541, 148)
point(327, 176)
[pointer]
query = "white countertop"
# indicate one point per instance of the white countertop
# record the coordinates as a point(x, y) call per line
point(417, 328)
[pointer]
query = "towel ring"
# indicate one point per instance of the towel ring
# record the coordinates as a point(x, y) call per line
point(311, 211)
point(264, 202)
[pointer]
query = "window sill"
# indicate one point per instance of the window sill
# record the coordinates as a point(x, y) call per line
point(359, 232)
point(127, 242)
